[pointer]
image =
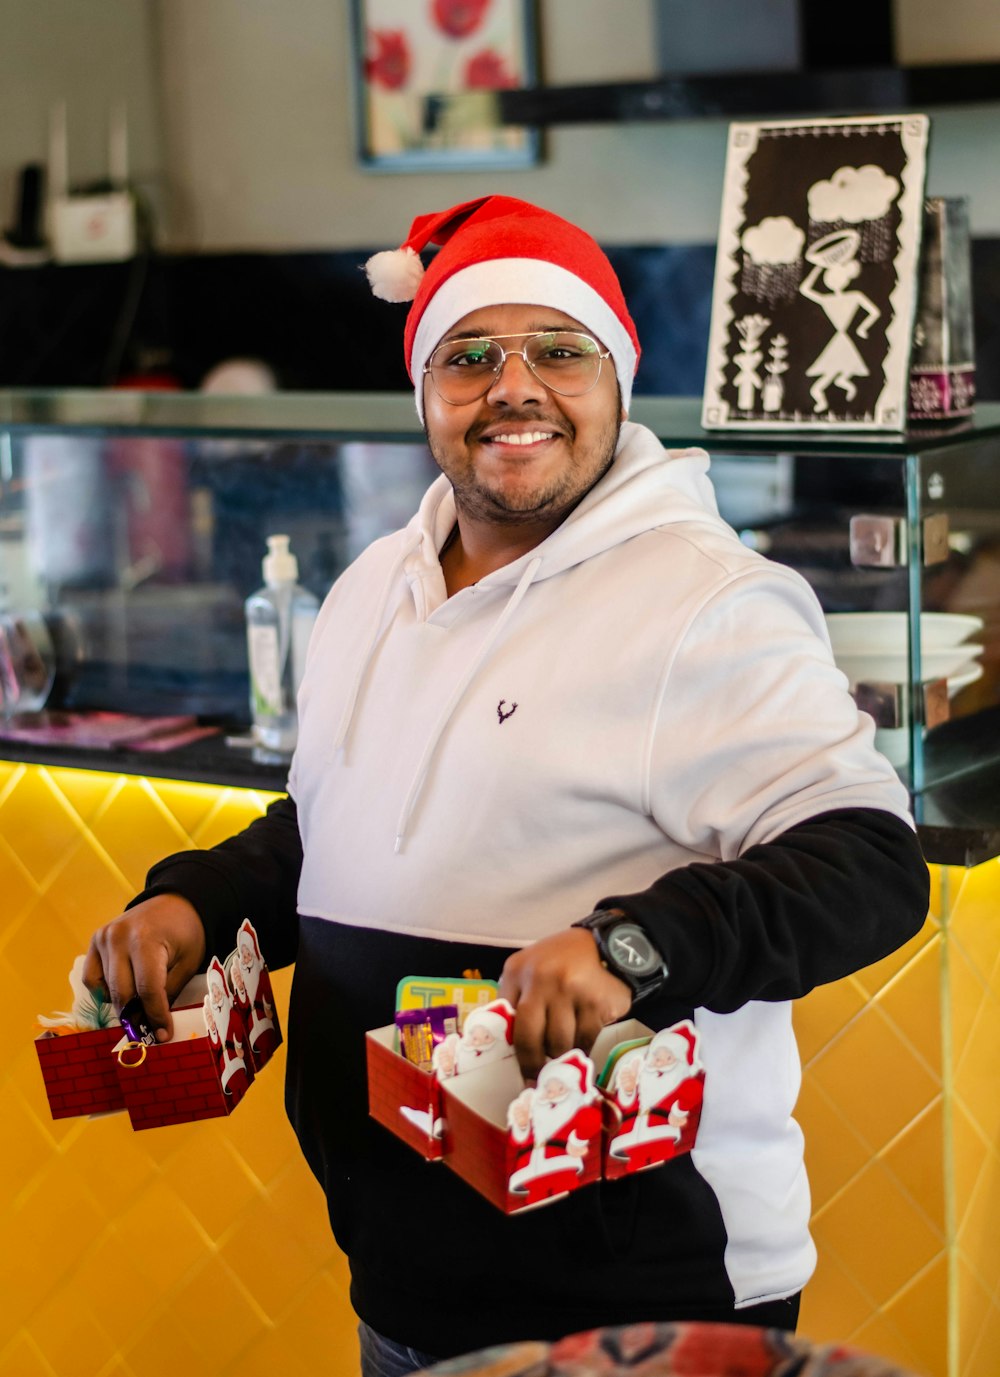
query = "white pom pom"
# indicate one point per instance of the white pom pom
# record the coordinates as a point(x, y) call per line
point(394, 274)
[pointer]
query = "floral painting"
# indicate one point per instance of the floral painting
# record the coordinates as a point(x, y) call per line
point(428, 73)
point(816, 274)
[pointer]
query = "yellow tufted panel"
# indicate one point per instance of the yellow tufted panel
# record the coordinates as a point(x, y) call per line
point(202, 1249)
point(205, 1249)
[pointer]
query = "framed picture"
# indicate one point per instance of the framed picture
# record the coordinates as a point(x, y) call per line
point(427, 74)
point(816, 274)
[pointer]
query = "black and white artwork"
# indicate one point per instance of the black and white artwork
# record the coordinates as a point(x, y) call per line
point(816, 274)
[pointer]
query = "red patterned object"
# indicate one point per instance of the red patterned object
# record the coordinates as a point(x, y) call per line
point(459, 18)
point(175, 1082)
point(79, 1072)
point(402, 1097)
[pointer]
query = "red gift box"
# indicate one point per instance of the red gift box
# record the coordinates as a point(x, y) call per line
point(518, 1173)
point(402, 1097)
point(181, 1080)
point(79, 1072)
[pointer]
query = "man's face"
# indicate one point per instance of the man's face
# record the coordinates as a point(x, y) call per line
point(521, 453)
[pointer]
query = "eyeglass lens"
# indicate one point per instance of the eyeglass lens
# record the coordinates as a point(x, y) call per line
point(565, 361)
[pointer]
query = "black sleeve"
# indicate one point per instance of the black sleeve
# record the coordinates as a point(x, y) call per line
point(822, 900)
point(254, 875)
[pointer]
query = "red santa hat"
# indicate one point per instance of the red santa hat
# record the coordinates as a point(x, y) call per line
point(573, 1070)
point(682, 1040)
point(497, 1018)
point(498, 251)
point(247, 930)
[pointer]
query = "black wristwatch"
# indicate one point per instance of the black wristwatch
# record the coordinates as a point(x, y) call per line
point(627, 950)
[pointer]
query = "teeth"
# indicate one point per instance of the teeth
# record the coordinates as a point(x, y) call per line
point(528, 438)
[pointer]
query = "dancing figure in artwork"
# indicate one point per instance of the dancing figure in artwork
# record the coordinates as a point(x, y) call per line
point(835, 266)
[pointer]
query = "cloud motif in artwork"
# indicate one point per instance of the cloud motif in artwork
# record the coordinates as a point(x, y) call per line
point(776, 240)
point(853, 194)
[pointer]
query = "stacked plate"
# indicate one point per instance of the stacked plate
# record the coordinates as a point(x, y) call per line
point(872, 647)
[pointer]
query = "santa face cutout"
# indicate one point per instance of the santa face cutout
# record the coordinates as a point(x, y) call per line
point(551, 1128)
point(235, 1064)
point(659, 1090)
point(252, 983)
point(487, 1036)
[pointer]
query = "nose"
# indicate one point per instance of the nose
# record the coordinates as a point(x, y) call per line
point(515, 384)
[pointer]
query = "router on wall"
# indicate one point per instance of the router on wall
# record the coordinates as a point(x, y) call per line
point(90, 226)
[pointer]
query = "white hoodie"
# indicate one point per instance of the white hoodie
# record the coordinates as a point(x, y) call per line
point(638, 692)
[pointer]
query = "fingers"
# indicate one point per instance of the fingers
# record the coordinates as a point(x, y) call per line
point(150, 951)
point(563, 996)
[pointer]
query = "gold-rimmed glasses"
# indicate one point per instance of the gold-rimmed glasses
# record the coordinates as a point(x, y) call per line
point(565, 361)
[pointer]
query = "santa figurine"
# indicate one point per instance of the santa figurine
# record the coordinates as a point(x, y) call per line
point(551, 1127)
point(487, 1035)
point(262, 1025)
point(236, 1072)
point(659, 1089)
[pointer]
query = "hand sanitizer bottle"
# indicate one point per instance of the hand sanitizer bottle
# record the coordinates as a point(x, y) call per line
point(279, 619)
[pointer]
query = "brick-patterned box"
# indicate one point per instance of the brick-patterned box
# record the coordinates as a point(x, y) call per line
point(402, 1097)
point(517, 1175)
point(178, 1081)
point(79, 1072)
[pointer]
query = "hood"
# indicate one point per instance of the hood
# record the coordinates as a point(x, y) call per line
point(647, 487)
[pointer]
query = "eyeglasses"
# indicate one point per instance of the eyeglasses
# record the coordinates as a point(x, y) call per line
point(564, 361)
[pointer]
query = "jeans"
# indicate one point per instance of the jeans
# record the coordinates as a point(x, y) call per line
point(381, 1357)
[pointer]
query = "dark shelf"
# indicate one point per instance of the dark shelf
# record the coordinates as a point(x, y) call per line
point(829, 91)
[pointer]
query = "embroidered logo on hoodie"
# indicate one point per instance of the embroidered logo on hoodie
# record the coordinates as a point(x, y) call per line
point(509, 713)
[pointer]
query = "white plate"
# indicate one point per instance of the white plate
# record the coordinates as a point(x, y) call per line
point(963, 679)
point(868, 633)
point(895, 669)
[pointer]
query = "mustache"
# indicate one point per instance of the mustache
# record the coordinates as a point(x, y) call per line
point(532, 418)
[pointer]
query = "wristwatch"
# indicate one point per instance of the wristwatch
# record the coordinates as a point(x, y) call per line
point(627, 950)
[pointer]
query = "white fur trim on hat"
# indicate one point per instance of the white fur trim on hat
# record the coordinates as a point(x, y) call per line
point(394, 274)
point(520, 282)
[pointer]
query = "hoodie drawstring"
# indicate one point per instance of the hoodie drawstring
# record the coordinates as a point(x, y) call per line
point(432, 741)
point(366, 656)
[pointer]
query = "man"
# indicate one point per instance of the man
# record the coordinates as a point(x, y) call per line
point(564, 694)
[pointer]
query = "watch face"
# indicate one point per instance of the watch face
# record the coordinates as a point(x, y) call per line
point(632, 951)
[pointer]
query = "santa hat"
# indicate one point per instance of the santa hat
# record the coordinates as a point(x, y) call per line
point(497, 1018)
point(682, 1041)
point(247, 933)
point(500, 251)
point(573, 1070)
point(216, 975)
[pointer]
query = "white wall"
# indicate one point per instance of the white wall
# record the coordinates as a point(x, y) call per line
point(260, 137)
point(241, 120)
point(91, 54)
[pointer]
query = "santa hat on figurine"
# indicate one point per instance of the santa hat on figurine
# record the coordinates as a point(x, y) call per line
point(496, 1019)
point(574, 1071)
point(681, 1040)
point(497, 251)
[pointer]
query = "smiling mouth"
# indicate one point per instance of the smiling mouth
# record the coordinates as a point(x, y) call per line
point(524, 437)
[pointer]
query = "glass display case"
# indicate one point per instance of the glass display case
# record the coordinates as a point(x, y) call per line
point(132, 528)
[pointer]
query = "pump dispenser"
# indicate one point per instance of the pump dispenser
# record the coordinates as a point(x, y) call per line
point(279, 618)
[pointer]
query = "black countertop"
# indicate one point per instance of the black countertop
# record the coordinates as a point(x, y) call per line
point(958, 819)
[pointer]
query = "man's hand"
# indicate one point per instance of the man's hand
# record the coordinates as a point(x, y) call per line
point(151, 951)
point(563, 995)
